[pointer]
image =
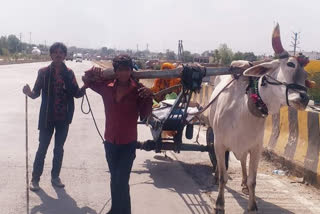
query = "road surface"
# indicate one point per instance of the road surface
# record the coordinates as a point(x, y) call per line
point(171, 184)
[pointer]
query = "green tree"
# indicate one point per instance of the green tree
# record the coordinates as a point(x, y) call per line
point(111, 51)
point(206, 54)
point(238, 56)
point(216, 56)
point(13, 44)
point(249, 56)
point(4, 52)
point(3, 44)
point(170, 55)
point(314, 93)
point(104, 51)
point(160, 55)
point(187, 56)
point(226, 54)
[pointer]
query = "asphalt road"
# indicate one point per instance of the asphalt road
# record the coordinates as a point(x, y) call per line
point(176, 183)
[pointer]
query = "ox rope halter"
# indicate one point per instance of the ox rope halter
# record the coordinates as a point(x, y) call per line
point(292, 86)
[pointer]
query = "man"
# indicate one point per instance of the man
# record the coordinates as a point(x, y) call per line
point(163, 83)
point(124, 100)
point(58, 87)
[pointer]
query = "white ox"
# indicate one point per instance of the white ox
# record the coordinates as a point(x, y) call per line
point(236, 129)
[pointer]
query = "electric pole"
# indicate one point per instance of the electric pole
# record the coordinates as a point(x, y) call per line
point(295, 42)
point(20, 37)
point(180, 50)
point(30, 38)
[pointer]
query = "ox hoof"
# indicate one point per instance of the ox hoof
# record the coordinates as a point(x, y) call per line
point(245, 190)
point(252, 212)
point(253, 209)
point(219, 211)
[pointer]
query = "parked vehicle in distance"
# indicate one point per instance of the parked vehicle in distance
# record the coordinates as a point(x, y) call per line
point(79, 57)
point(36, 51)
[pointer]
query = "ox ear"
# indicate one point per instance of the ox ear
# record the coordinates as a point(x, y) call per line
point(241, 64)
point(261, 69)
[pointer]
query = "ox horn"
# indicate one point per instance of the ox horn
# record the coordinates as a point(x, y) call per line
point(276, 43)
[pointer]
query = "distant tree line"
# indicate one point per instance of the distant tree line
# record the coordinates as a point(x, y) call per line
point(222, 55)
point(11, 45)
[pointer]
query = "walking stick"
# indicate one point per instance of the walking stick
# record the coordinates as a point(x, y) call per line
point(27, 170)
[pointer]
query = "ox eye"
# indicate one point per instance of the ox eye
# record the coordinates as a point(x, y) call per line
point(291, 64)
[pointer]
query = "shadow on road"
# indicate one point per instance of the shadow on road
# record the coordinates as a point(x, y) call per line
point(164, 174)
point(202, 174)
point(263, 206)
point(63, 204)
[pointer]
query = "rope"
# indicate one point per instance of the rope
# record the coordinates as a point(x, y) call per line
point(211, 102)
point(90, 111)
point(27, 169)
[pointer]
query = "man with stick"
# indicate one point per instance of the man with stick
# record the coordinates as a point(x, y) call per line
point(125, 100)
point(58, 87)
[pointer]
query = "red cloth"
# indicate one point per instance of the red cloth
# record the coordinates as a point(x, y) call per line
point(121, 117)
point(60, 97)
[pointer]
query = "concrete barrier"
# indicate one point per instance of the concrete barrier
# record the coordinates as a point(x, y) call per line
point(291, 138)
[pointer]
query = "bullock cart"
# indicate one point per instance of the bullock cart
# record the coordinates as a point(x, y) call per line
point(177, 117)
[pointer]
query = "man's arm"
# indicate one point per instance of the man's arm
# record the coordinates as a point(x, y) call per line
point(36, 88)
point(93, 80)
point(145, 102)
point(76, 91)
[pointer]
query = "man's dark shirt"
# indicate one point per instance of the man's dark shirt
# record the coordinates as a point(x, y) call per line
point(58, 91)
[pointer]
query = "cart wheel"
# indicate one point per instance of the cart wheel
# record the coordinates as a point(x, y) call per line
point(189, 131)
point(210, 144)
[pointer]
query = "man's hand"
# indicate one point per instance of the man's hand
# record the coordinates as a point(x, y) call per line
point(86, 82)
point(26, 90)
point(92, 75)
point(83, 88)
point(145, 92)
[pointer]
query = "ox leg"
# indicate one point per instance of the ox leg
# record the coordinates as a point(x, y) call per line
point(216, 176)
point(253, 168)
point(216, 173)
point(244, 185)
point(223, 178)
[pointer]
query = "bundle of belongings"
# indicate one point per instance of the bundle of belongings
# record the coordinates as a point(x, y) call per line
point(162, 104)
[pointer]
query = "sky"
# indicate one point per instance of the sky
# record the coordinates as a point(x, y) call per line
point(244, 25)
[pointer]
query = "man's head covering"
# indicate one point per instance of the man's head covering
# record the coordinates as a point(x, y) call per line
point(167, 65)
point(122, 60)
